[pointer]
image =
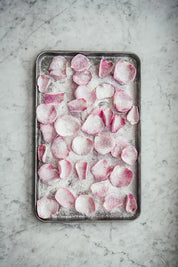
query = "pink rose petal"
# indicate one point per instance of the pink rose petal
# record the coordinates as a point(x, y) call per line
point(46, 207)
point(81, 169)
point(100, 189)
point(67, 125)
point(120, 144)
point(65, 198)
point(117, 123)
point(48, 132)
point(80, 63)
point(107, 116)
point(65, 168)
point(59, 148)
point(77, 105)
point(133, 115)
point(93, 125)
point(105, 90)
point(48, 174)
point(82, 145)
point(131, 203)
point(43, 83)
point(124, 72)
point(57, 68)
point(112, 201)
point(82, 77)
point(85, 204)
point(122, 101)
point(46, 113)
point(104, 143)
point(129, 155)
point(86, 93)
point(121, 176)
point(101, 170)
point(53, 98)
point(42, 153)
point(97, 111)
point(105, 68)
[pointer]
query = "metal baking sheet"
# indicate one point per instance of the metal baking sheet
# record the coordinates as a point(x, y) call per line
point(133, 134)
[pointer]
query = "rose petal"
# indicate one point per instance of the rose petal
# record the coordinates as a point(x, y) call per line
point(67, 125)
point(85, 204)
point(42, 153)
point(82, 145)
point(77, 105)
point(117, 123)
point(65, 198)
point(122, 101)
point(43, 83)
point(46, 113)
point(86, 93)
point(80, 63)
point(100, 189)
point(57, 68)
point(93, 125)
point(65, 168)
point(129, 155)
point(112, 201)
point(101, 170)
point(105, 68)
point(131, 203)
point(48, 132)
point(124, 72)
point(120, 144)
point(81, 169)
point(97, 111)
point(121, 176)
point(53, 98)
point(104, 143)
point(133, 115)
point(105, 90)
point(107, 116)
point(59, 148)
point(48, 174)
point(46, 207)
point(82, 77)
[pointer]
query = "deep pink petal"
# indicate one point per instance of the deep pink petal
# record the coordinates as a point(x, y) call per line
point(105, 68)
point(53, 98)
point(131, 203)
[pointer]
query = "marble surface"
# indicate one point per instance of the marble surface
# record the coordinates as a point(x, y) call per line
point(148, 28)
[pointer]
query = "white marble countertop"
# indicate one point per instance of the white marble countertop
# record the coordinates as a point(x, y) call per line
point(148, 28)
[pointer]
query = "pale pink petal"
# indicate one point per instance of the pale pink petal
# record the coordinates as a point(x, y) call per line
point(121, 176)
point(85, 204)
point(57, 68)
point(107, 116)
point(43, 83)
point(105, 68)
point(67, 125)
point(129, 155)
point(104, 143)
point(65, 168)
point(131, 203)
point(42, 153)
point(101, 170)
point(81, 169)
point(93, 125)
point(77, 105)
point(105, 90)
point(122, 101)
point(59, 148)
point(48, 132)
point(97, 111)
point(46, 207)
point(133, 115)
point(53, 98)
point(46, 113)
point(124, 72)
point(82, 77)
point(47, 173)
point(82, 145)
point(100, 189)
point(86, 93)
point(112, 201)
point(117, 123)
point(80, 63)
point(120, 144)
point(65, 198)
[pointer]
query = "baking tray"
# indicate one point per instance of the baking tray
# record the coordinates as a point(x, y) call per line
point(41, 67)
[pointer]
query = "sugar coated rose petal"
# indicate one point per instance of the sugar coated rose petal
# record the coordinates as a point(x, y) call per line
point(42, 153)
point(82, 145)
point(85, 204)
point(65, 168)
point(53, 98)
point(124, 72)
point(47, 173)
point(46, 113)
point(112, 201)
point(131, 203)
point(129, 155)
point(117, 123)
point(43, 83)
point(133, 115)
point(67, 125)
point(122, 101)
point(86, 93)
point(105, 90)
point(57, 68)
point(80, 63)
point(77, 105)
point(48, 132)
point(82, 77)
point(97, 111)
point(104, 143)
point(81, 169)
point(121, 176)
point(59, 148)
point(46, 207)
point(65, 198)
point(105, 68)
point(101, 170)
point(93, 125)
point(100, 189)
point(107, 116)
point(120, 144)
